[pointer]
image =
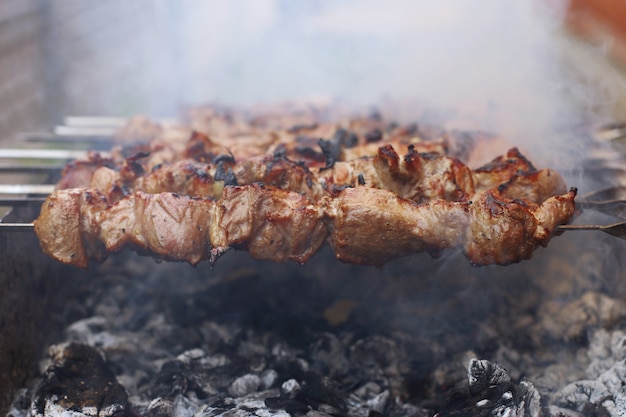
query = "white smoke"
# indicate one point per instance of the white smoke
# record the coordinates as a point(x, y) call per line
point(500, 66)
point(489, 65)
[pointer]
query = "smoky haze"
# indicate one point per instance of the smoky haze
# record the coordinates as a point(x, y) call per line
point(488, 65)
point(504, 67)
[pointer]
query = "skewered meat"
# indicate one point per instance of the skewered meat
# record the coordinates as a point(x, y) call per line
point(363, 225)
point(148, 144)
point(189, 196)
point(416, 176)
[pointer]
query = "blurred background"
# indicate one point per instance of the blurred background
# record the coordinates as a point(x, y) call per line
point(527, 70)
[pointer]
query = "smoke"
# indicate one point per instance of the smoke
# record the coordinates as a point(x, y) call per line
point(491, 65)
point(504, 67)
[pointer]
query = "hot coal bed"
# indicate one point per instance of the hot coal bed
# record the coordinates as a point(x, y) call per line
point(419, 337)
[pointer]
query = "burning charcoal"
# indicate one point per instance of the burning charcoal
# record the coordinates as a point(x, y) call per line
point(174, 378)
point(572, 321)
point(554, 411)
point(380, 358)
point(316, 413)
point(79, 381)
point(268, 378)
point(289, 405)
point(160, 408)
point(605, 349)
point(317, 391)
point(583, 396)
point(182, 407)
point(313, 392)
point(492, 393)
point(329, 353)
point(379, 402)
point(483, 375)
point(244, 385)
point(605, 394)
point(20, 407)
point(290, 387)
point(368, 400)
point(191, 355)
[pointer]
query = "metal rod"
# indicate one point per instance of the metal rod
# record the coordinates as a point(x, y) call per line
point(84, 130)
point(615, 229)
point(30, 168)
point(566, 227)
point(86, 142)
point(91, 121)
point(41, 154)
point(110, 122)
point(26, 189)
point(16, 227)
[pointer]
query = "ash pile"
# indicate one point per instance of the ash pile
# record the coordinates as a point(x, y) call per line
point(419, 337)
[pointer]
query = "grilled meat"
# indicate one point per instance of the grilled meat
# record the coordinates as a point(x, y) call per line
point(416, 176)
point(363, 225)
point(281, 189)
point(145, 144)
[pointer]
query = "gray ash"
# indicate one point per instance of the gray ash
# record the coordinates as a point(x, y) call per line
point(416, 338)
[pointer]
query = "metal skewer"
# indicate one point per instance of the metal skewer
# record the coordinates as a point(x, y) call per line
point(17, 227)
point(30, 168)
point(615, 229)
point(26, 189)
point(41, 154)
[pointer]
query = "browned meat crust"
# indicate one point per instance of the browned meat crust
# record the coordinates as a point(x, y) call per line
point(363, 225)
point(416, 176)
point(261, 185)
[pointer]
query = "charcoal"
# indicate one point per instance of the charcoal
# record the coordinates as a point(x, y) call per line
point(556, 411)
point(160, 407)
point(290, 405)
point(79, 380)
point(290, 387)
point(583, 396)
point(317, 413)
point(254, 338)
point(268, 378)
point(244, 385)
point(491, 392)
point(605, 394)
point(173, 379)
point(321, 391)
point(484, 375)
point(183, 407)
point(329, 355)
point(20, 406)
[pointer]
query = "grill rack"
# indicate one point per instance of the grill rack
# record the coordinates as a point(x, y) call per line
point(80, 134)
point(38, 161)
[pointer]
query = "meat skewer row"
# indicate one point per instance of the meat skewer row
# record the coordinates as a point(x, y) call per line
point(416, 176)
point(160, 146)
point(247, 137)
point(363, 225)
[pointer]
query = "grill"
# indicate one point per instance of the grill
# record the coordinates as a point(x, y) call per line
point(418, 337)
point(253, 338)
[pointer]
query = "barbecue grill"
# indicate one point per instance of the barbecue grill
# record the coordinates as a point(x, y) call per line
point(417, 337)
